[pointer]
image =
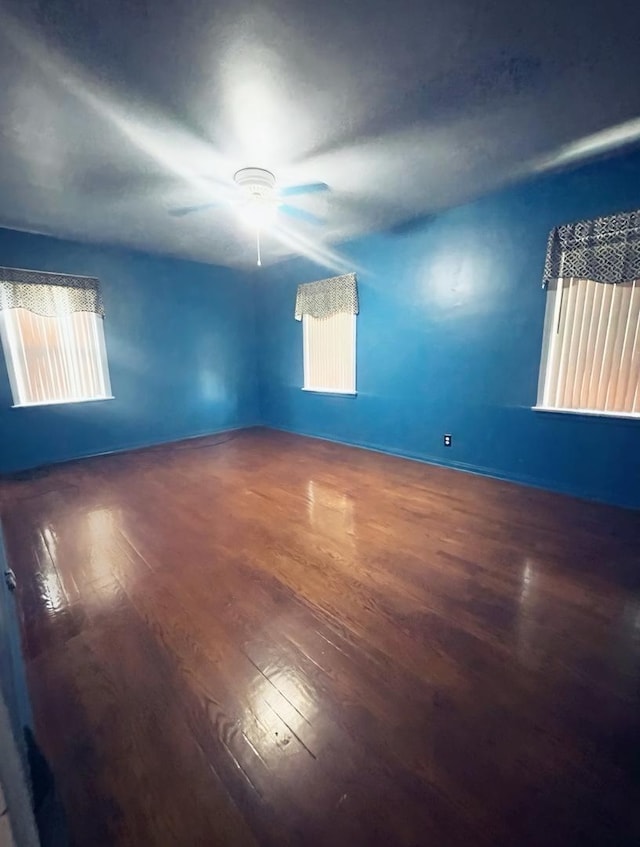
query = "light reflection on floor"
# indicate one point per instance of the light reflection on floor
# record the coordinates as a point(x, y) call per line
point(330, 511)
point(279, 722)
point(526, 621)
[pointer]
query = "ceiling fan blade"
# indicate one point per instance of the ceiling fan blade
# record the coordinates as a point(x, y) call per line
point(300, 214)
point(181, 211)
point(308, 188)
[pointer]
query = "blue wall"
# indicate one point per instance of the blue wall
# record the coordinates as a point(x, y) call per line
point(449, 336)
point(448, 341)
point(180, 345)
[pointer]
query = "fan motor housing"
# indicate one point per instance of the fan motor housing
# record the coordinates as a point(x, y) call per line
point(256, 182)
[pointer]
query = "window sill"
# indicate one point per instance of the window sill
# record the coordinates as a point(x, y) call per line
point(62, 402)
point(627, 416)
point(331, 391)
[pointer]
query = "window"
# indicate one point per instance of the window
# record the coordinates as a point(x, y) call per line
point(58, 356)
point(329, 346)
point(328, 310)
point(591, 347)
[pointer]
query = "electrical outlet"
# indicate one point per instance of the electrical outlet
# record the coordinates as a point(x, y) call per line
point(447, 440)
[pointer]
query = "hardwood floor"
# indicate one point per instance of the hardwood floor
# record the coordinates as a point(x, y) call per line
point(275, 640)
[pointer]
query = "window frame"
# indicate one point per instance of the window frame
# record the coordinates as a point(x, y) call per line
point(10, 343)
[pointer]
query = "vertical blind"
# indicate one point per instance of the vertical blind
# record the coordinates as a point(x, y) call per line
point(591, 355)
point(55, 359)
point(329, 353)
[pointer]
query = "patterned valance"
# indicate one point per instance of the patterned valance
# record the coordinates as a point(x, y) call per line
point(49, 294)
point(328, 297)
point(603, 249)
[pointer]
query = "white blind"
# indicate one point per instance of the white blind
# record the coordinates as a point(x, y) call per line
point(591, 352)
point(55, 359)
point(329, 353)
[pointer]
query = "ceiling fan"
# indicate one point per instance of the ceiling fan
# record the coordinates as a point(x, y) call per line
point(258, 200)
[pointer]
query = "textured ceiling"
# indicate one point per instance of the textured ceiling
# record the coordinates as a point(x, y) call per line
point(112, 112)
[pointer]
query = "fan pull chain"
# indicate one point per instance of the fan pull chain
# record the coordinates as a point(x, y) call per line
point(258, 246)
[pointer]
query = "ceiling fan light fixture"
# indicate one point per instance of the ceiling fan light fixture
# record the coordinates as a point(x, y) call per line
point(258, 212)
point(260, 203)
